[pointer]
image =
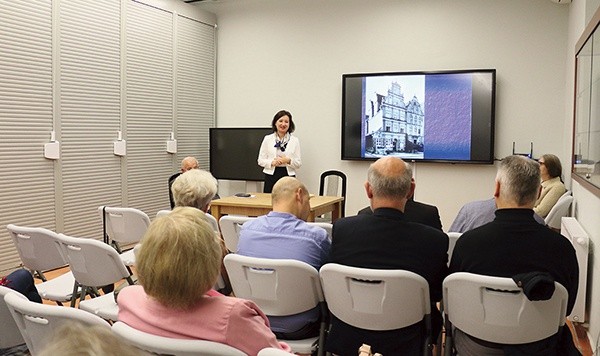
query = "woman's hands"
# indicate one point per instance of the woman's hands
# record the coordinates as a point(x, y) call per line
point(281, 161)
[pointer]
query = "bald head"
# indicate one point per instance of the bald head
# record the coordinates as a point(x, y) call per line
point(389, 183)
point(189, 163)
point(291, 196)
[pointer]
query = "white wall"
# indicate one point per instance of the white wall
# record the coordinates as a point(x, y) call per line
point(292, 53)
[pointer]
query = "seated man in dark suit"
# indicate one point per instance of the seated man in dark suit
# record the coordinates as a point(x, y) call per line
point(417, 212)
point(387, 240)
point(186, 164)
point(514, 243)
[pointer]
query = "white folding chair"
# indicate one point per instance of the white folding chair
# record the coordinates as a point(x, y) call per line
point(10, 335)
point(170, 346)
point(452, 238)
point(40, 251)
point(279, 288)
point(559, 210)
point(209, 218)
point(95, 264)
point(230, 229)
point(325, 225)
point(124, 226)
point(376, 299)
point(162, 213)
point(271, 351)
point(494, 309)
point(37, 322)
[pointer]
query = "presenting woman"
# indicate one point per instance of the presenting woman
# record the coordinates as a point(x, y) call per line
point(279, 153)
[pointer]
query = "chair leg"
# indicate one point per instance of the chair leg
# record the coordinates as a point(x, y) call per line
point(74, 295)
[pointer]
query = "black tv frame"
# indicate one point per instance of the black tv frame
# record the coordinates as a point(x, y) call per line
point(356, 144)
point(234, 152)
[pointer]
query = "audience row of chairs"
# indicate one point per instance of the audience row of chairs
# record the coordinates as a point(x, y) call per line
point(490, 308)
point(23, 321)
point(359, 297)
point(92, 263)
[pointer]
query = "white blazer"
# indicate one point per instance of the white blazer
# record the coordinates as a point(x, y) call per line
point(268, 152)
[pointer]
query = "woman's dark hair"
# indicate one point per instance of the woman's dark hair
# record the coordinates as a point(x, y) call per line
point(279, 115)
point(553, 165)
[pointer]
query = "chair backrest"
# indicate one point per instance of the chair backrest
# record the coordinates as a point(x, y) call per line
point(333, 183)
point(271, 351)
point(38, 248)
point(494, 309)
point(230, 229)
point(10, 335)
point(375, 299)
point(37, 322)
point(209, 218)
point(92, 262)
point(452, 238)
point(325, 225)
point(278, 287)
point(560, 209)
point(124, 225)
point(162, 213)
point(170, 346)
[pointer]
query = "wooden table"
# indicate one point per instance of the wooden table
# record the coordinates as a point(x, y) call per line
point(260, 204)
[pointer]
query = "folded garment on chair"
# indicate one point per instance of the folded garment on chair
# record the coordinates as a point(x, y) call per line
point(535, 285)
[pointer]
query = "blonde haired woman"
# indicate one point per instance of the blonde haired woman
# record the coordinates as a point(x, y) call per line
point(177, 265)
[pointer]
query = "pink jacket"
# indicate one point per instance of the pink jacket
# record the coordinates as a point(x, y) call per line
point(236, 322)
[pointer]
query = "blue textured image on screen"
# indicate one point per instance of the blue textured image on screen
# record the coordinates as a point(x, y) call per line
point(448, 96)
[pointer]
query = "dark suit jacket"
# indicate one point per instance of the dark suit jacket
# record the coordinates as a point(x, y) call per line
point(171, 180)
point(417, 212)
point(386, 240)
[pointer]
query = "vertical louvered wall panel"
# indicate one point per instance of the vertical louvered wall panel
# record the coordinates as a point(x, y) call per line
point(195, 88)
point(90, 111)
point(27, 188)
point(93, 102)
point(149, 108)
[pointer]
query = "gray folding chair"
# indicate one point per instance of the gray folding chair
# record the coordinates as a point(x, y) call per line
point(496, 310)
point(37, 322)
point(280, 288)
point(169, 346)
point(10, 335)
point(376, 299)
point(231, 226)
point(95, 264)
point(124, 226)
point(40, 251)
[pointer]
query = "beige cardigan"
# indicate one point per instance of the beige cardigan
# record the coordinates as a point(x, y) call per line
point(552, 190)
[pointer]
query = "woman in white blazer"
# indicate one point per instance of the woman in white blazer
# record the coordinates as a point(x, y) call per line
point(279, 153)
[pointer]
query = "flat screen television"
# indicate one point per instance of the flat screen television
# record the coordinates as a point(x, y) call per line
point(442, 116)
point(234, 152)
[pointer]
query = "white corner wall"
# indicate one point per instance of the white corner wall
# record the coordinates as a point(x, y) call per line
point(292, 53)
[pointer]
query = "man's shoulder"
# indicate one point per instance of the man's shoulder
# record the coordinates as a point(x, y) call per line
point(419, 205)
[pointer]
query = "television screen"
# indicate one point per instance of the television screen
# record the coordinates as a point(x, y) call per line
point(419, 116)
point(234, 152)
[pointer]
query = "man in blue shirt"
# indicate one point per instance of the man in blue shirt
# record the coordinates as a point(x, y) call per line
point(284, 234)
